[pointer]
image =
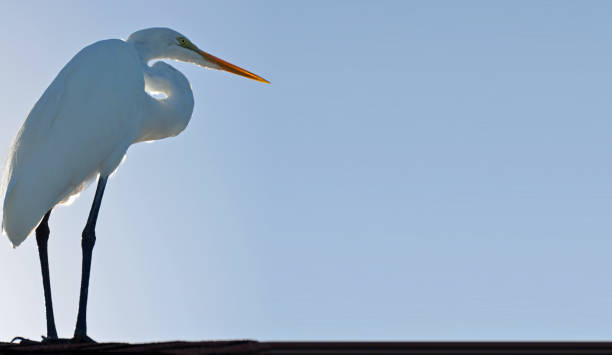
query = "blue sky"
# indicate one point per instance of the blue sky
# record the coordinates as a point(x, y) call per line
point(417, 170)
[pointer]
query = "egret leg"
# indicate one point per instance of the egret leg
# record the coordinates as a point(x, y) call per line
point(87, 243)
point(42, 236)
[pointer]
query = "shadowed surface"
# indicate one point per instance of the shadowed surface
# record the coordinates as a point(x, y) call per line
point(254, 347)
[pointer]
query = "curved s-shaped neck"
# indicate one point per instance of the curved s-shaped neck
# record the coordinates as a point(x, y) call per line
point(168, 116)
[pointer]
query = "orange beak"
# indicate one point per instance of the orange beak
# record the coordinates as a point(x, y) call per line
point(223, 65)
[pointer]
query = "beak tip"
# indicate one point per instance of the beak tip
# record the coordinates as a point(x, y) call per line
point(259, 78)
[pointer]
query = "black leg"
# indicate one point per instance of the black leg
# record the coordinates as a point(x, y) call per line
point(87, 244)
point(42, 236)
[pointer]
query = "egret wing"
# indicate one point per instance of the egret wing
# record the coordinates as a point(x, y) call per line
point(81, 127)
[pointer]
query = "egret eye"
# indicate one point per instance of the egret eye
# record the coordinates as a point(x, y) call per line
point(182, 41)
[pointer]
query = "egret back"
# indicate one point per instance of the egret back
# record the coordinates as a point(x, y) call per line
point(81, 127)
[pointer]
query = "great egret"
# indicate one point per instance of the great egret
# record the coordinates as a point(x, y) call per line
point(81, 128)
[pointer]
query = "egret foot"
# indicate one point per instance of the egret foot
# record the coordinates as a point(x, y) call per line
point(50, 340)
point(24, 341)
point(82, 338)
point(45, 340)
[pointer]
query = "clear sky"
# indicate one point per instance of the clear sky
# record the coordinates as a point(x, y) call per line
point(416, 170)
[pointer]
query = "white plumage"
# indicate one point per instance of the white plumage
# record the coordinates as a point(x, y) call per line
point(80, 127)
point(91, 113)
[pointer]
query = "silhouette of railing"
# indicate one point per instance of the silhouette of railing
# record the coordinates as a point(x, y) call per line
point(306, 348)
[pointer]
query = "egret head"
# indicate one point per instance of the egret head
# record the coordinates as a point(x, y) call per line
point(164, 43)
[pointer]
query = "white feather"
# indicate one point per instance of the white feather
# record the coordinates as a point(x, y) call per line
point(97, 106)
point(87, 118)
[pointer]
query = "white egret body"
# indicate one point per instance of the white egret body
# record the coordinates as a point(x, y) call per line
point(85, 121)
